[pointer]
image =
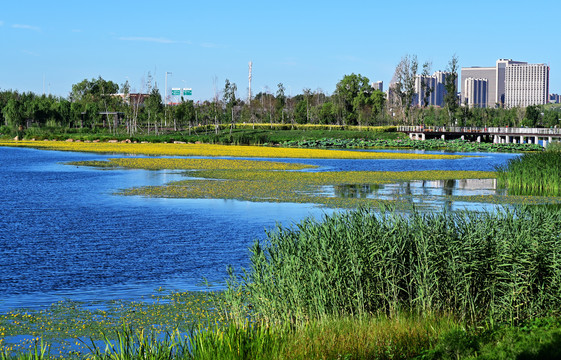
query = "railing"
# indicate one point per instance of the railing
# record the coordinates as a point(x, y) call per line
point(487, 130)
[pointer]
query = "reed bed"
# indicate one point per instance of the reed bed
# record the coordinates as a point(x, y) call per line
point(500, 266)
point(532, 174)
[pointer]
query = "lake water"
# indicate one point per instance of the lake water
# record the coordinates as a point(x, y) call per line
point(64, 235)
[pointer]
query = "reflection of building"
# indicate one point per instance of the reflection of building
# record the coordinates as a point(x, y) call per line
point(475, 92)
point(464, 184)
point(509, 83)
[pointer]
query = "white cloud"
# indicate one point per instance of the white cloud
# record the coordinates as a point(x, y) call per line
point(147, 39)
point(26, 27)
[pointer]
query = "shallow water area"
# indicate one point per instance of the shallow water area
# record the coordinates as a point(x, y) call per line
point(65, 235)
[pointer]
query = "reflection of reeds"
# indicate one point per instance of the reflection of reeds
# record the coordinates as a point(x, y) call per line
point(504, 266)
point(532, 174)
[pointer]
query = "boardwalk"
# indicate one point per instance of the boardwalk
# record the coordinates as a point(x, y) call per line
point(498, 135)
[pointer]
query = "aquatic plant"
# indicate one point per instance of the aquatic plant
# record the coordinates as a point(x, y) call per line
point(532, 174)
point(290, 186)
point(430, 144)
point(216, 150)
point(500, 266)
point(192, 164)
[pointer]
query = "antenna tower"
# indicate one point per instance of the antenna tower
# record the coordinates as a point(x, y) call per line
point(249, 92)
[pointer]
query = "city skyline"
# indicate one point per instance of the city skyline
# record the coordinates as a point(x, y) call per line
point(312, 45)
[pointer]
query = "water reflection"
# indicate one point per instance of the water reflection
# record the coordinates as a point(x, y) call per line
point(355, 191)
point(434, 193)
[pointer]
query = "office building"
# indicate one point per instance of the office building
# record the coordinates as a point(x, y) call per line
point(378, 85)
point(437, 86)
point(526, 84)
point(509, 83)
point(475, 92)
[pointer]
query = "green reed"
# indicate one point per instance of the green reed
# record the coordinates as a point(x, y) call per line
point(532, 174)
point(502, 266)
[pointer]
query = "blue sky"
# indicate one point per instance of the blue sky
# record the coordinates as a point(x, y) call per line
point(303, 44)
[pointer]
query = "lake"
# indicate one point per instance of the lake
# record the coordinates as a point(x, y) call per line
point(65, 235)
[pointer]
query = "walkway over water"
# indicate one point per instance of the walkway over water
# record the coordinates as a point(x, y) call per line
point(497, 135)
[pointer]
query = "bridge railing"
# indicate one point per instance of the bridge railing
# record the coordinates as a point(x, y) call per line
point(492, 130)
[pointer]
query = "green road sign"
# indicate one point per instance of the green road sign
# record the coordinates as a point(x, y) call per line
point(187, 92)
point(175, 92)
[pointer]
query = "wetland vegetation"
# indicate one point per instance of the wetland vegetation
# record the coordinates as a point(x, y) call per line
point(366, 284)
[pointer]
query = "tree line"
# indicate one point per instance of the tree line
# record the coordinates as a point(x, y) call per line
point(99, 103)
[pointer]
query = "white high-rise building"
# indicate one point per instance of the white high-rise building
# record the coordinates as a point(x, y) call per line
point(510, 83)
point(526, 84)
point(476, 92)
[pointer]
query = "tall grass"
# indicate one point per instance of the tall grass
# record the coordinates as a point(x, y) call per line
point(533, 173)
point(503, 266)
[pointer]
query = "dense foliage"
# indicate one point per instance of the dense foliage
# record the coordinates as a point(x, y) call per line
point(500, 266)
point(533, 173)
point(103, 106)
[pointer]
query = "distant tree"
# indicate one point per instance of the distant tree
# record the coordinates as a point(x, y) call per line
point(353, 92)
point(532, 116)
point(230, 100)
point(154, 107)
point(185, 113)
point(280, 102)
point(426, 89)
point(404, 86)
point(451, 97)
point(13, 113)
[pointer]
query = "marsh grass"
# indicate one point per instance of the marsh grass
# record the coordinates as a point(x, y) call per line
point(501, 266)
point(532, 174)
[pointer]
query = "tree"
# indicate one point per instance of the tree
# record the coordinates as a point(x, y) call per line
point(185, 112)
point(404, 86)
point(13, 113)
point(280, 102)
point(451, 86)
point(154, 106)
point(426, 90)
point(353, 92)
point(230, 100)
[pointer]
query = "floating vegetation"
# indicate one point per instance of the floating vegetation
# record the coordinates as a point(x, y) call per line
point(430, 144)
point(295, 187)
point(216, 150)
point(63, 323)
point(191, 164)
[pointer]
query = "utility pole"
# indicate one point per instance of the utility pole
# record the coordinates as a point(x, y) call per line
point(249, 92)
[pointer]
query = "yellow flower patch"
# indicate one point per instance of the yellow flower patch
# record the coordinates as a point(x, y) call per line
point(192, 164)
point(217, 150)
